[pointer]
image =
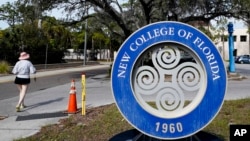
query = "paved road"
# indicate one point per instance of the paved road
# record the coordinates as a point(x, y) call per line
point(243, 69)
point(10, 90)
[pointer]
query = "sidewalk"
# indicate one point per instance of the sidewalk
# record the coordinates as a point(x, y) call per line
point(47, 106)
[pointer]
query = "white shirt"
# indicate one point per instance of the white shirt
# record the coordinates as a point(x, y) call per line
point(23, 69)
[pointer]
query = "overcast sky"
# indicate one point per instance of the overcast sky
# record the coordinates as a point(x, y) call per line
point(4, 1)
point(58, 14)
point(2, 23)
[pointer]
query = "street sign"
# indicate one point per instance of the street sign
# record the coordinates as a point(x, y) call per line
point(168, 80)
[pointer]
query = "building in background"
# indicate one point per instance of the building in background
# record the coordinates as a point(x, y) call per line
point(241, 43)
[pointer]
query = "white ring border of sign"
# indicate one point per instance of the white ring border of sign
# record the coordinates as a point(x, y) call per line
point(154, 126)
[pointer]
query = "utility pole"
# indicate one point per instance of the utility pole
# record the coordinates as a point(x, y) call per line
point(85, 43)
point(38, 14)
point(85, 38)
point(223, 44)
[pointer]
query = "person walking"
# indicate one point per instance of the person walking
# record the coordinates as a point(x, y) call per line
point(22, 69)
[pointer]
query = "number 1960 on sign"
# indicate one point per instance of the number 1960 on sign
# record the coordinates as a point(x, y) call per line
point(169, 127)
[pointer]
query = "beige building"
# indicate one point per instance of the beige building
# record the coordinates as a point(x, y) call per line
point(241, 43)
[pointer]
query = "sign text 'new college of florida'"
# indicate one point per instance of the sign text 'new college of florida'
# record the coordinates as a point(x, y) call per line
point(135, 85)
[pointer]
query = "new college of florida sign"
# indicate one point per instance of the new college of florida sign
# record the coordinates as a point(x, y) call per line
point(168, 80)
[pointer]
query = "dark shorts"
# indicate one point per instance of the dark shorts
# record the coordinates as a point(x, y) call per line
point(22, 80)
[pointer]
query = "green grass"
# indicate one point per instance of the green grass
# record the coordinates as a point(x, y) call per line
point(232, 112)
point(102, 123)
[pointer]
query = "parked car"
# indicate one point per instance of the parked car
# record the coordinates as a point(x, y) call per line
point(243, 59)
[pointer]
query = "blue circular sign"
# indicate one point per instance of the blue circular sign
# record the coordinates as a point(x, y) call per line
point(164, 81)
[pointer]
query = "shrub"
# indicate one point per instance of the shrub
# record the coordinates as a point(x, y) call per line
point(4, 67)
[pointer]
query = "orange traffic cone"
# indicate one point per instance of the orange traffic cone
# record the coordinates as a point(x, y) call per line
point(72, 106)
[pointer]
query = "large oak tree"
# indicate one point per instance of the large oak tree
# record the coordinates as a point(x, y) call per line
point(132, 14)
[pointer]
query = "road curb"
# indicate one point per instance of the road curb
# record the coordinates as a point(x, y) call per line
point(235, 76)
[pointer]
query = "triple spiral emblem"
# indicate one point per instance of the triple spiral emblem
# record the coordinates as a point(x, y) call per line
point(164, 85)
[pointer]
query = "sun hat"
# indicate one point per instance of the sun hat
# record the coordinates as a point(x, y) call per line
point(24, 56)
